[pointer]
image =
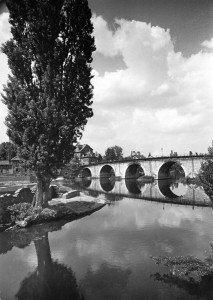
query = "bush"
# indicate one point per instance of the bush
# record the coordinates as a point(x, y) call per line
point(21, 211)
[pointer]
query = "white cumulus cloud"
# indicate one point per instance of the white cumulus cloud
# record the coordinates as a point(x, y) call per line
point(160, 99)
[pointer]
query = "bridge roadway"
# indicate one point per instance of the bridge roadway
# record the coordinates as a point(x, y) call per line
point(158, 167)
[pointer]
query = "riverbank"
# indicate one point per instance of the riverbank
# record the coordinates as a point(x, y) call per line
point(79, 207)
point(68, 211)
point(16, 211)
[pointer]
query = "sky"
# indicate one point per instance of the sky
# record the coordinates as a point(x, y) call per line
point(153, 72)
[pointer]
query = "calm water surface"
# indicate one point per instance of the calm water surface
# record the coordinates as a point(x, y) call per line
point(107, 255)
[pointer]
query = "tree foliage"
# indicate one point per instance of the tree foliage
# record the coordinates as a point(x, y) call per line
point(190, 273)
point(206, 173)
point(177, 171)
point(49, 92)
point(7, 150)
point(99, 157)
point(113, 153)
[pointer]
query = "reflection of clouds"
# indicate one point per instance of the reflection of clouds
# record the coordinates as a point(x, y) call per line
point(122, 237)
point(13, 268)
point(99, 250)
point(108, 282)
point(180, 190)
point(27, 256)
point(141, 215)
point(173, 216)
point(165, 247)
point(125, 235)
point(58, 255)
point(125, 231)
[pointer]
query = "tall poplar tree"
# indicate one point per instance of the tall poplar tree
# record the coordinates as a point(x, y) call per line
point(49, 91)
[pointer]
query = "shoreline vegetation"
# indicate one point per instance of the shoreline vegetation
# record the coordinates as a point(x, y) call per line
point(188, 272)
point(16, 210)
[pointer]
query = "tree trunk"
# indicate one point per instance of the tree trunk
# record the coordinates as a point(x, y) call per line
point(43, 253)
point(42, 191)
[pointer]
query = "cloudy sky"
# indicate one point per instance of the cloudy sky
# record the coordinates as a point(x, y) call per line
point(153, 83)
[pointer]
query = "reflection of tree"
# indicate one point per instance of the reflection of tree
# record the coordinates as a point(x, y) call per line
point(204, 288)
point(108, 282)
point(23, 237)
point(176, 171)
point(164, 187)
point(190, 273)
point(50, 280)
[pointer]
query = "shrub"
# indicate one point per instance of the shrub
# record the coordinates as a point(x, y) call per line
point(21, 211)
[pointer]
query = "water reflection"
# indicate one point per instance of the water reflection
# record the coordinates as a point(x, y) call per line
point(86, 182)
point(108, 282)
point(105, 255)
point(169, 190)
point(50, 280)
point(107, 184)
point(133, 186)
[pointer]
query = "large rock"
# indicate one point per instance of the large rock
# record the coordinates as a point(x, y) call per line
point(71, 194)
point(24, 195)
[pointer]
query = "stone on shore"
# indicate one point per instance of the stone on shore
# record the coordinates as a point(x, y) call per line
point(71, 194)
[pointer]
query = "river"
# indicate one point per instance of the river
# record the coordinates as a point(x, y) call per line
point(107, 255)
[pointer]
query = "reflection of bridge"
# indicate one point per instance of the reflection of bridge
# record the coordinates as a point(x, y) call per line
point(158, 167)
point(160, 191)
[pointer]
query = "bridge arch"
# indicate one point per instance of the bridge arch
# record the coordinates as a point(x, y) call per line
point(164, 170)
point(134, 170)
point(85, 173)
point(107, 171)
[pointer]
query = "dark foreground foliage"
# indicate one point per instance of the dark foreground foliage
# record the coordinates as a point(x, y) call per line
point(190, 273)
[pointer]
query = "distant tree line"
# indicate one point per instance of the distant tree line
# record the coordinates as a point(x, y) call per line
point(113, 153)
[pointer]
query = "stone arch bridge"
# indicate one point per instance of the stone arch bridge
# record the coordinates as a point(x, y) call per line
point(157, 167)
